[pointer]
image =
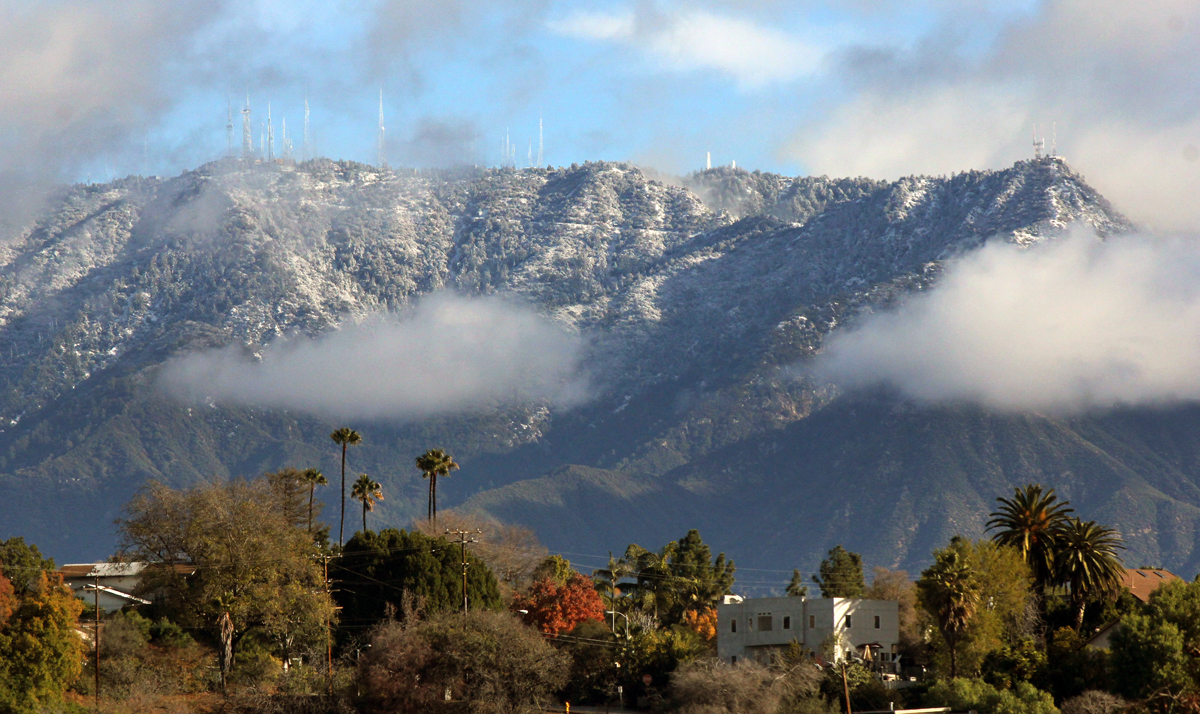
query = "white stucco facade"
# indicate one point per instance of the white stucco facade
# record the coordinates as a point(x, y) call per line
point(755, 628)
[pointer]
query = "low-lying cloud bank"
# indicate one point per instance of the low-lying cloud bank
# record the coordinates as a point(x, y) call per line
point(1068, 326)
point(451, 355)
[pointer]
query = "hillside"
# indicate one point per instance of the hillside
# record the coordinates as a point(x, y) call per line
point(698, 300)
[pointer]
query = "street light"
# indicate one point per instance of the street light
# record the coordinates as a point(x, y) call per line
point(614, 613)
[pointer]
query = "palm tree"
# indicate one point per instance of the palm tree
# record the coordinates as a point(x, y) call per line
point(1032, 522)
point(948, 590)
point(607, 583)
point(654, 588)
point(344, 437)
point(312, 478)
point(434, 463)
point(1088, 562)
point(368, 492)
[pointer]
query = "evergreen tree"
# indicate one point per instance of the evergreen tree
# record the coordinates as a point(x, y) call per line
point(841, 574)
point(23, 563)
point(797, 588)
point(377, 569)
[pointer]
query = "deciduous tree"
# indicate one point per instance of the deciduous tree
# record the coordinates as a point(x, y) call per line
point(23, 563)
point(555, 607)
point(487, 659)
point(40, 652)
point(250, 561)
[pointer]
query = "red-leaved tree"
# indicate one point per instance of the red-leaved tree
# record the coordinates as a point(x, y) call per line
point(554, 608)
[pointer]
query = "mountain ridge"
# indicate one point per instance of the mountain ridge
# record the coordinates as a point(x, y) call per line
point(697, 314)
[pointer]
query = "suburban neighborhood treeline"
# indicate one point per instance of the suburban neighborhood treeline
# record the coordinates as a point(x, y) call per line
point(247, 604)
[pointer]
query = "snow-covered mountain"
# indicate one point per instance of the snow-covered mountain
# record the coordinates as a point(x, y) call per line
point(693, 296)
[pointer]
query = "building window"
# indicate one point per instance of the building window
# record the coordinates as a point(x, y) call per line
point(812, 621)
point(877, 622)
point(733, 659)
point(750, 624)
point(764, 623)
point(848, 625)
point(733, 625)
point(787, 622)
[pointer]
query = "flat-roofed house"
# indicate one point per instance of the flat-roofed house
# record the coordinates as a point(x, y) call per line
point(756, 628)
point(117, 582)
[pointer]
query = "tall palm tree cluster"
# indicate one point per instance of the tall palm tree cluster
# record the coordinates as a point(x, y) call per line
point(1060, 549)
point(434, 463)
point(367, 491)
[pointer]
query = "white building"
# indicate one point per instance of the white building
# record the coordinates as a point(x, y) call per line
point(756, 628)
point(116, 582)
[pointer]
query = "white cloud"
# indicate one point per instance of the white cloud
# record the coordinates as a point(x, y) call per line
point(1113, 75)
point(451, 355)
point(1071, 325)
point(751, 54)
point(596, 26)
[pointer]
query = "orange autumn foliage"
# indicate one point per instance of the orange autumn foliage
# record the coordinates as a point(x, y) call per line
point(554, 608)
point(702, 622)
point(8, 600)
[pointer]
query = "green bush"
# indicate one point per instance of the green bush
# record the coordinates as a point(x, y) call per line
point(973, 694)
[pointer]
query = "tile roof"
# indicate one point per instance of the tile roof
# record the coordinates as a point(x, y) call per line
point(1143, 581)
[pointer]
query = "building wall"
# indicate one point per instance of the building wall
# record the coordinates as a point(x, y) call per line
point(809, 622)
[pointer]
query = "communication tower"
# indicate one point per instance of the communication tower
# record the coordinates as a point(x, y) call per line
point(541, 143)
point(1038, 144)
point(707, 160)
point(229, 129)
point(270, 135)
point(381, 148)
point(287, 142)
point(307, 144)
point(247, 137)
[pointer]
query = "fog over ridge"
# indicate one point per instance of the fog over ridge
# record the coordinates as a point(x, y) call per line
point(1071, 325)
point(451, 354)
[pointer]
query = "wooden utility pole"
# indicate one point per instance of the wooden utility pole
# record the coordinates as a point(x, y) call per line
point(846, 686)
point(462, 542)
point(328, 628)
point(96, 593)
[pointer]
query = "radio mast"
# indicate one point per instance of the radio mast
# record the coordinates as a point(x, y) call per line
point(381, 149)
point(307, 147)
point(247, 136)
point(270, 135)
point(229, 128)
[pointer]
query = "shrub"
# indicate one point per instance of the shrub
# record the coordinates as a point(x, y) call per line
point(487, 660)
point(972, 694)
point(1094, 702)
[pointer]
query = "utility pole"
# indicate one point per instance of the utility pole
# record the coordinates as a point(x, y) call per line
point(96, 593)
point(846, 686)
point(462, 543)
point(328, 627)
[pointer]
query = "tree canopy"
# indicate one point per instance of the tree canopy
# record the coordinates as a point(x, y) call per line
point(376, 569)
point(841, 574)
point(23, 563)
point(40, 652)
point(252, 555)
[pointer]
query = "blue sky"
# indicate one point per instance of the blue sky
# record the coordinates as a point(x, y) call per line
point(883, 88)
